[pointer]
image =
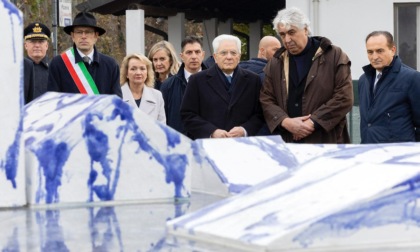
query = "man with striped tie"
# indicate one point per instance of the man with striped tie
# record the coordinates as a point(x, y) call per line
point(82, 68)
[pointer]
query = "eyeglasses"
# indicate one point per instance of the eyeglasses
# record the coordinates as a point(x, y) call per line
point(225, 53)
point(87, 33)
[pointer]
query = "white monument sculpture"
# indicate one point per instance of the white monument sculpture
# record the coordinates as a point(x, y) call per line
point(12, 169)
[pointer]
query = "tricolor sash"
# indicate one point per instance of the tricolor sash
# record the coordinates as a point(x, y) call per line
point(79, 73)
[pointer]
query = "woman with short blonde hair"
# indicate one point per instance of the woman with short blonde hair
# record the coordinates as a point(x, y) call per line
point(137, 80)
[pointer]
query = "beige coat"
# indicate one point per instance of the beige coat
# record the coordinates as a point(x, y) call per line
point(151, 102)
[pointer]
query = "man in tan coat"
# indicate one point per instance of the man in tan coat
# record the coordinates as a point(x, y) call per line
point(307, 90)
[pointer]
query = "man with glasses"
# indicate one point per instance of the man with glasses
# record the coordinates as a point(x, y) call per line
point(82, 68)
point(222, 101)
point(36, 36)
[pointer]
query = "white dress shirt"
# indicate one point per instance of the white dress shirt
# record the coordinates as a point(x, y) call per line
point(90, 55)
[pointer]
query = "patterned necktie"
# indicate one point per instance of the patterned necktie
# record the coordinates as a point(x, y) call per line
point(86, 60)
point(376, 80)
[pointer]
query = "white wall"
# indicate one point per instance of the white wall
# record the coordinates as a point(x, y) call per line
point(347, 23)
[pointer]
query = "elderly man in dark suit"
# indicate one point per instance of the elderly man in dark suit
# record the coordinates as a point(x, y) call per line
point(82, 68)
point(223, 101)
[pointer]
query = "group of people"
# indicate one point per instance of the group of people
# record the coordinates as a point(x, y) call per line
point(300, 88)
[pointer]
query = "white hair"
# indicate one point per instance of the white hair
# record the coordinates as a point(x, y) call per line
point(291, 17)
point(224, 37)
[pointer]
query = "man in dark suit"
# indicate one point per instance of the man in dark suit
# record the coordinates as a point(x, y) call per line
point(223, 101)
point(82, 68)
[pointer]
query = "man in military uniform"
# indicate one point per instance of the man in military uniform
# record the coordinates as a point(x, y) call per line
point(37, 36)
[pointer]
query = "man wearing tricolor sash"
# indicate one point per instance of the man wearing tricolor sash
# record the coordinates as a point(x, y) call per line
point(82, 69)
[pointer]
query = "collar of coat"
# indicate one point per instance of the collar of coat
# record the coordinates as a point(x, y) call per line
point(324, 46)
point(181, 75)
point(79, 58)
point(393, 67)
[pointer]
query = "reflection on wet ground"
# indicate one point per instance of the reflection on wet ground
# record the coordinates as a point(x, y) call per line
point(130, 227)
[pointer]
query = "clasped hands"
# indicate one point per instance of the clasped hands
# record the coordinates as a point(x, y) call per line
point(234, 132)
point(300, 127)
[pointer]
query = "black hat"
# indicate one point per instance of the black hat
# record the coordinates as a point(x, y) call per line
point(36, 31)
point(84, 19)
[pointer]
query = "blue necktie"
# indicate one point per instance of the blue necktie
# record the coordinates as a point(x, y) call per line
point(229, 78)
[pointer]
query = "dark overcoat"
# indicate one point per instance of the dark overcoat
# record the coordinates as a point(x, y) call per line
point(207, 104)
point(40, 77)
point(173, 90)
point(391, 113)
point(104, 70)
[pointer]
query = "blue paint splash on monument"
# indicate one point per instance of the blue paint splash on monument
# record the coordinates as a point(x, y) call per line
point(52, 157)
point(98, 148)
point(13, 11)
point(174, 164)
point(275, 148)
point(201, 157)
point(12, 156)
point(173, 138)
point(398, 207)
point(12, 153)
point(53, 154)
point(238, 188)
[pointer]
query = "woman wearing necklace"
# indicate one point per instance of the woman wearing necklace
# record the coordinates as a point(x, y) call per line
point(137, 80)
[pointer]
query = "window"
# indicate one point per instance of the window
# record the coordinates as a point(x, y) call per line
point(407, 18)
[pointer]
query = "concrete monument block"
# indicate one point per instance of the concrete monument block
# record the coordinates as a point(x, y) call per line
point(240, 163)
point(83, 148)
point(12, 171)
point(350, 198)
